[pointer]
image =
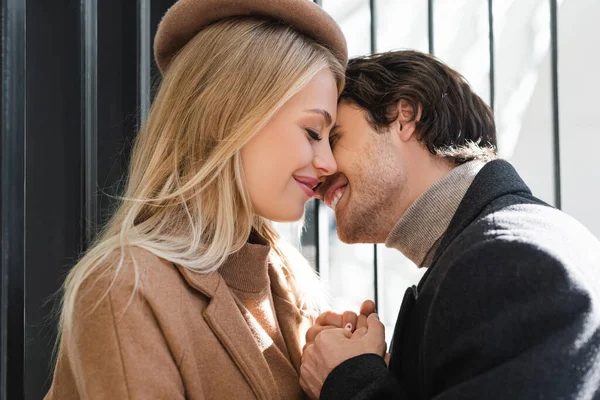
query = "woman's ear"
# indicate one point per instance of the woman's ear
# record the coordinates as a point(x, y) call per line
point(407, 121)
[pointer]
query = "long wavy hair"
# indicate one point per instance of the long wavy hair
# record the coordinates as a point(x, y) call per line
point(185, 198)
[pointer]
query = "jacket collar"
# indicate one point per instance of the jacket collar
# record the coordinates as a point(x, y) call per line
point(496, 179)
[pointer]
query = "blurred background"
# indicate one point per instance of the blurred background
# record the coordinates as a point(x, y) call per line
point(78, 77)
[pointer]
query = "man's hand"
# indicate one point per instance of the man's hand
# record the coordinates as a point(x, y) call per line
point(348, 320)
point(334, 346)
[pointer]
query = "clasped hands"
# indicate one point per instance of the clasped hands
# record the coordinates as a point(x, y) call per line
point(335, 338)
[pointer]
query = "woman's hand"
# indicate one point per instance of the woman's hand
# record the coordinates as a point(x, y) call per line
point(348, 320)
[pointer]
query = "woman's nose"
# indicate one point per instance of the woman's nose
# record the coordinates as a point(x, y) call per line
point(324, 161)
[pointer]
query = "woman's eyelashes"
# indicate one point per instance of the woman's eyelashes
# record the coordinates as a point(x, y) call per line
point(313, 135)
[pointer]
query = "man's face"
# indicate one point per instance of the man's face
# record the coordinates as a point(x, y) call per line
point(369, 181)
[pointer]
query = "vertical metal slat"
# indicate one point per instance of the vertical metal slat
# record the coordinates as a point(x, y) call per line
point(144, 59)
point(317, 204)
point(492, 59)
point(430, 26)
point(89, 69)
point(12, 279)
point(373, 21)
point(555, 120)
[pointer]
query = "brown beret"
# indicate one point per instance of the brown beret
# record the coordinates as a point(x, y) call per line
point(187, 17)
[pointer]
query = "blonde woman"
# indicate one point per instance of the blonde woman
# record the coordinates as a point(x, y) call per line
point(189, 292)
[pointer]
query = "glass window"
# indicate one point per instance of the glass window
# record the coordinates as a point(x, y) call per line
point(523, 91)
point(578, 90)
point(354, 17)
point(461, 40)
point(401, 24)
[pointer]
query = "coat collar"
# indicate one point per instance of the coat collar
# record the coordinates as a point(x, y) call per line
point(497, 178)
point(228, 324)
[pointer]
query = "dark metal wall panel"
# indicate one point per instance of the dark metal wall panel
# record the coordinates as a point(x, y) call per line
point(117, 97)
point(84, 84)
point(54, 164)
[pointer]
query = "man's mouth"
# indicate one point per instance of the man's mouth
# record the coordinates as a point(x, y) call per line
point(334, 194)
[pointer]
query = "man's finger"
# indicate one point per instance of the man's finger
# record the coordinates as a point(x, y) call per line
point(361, 322)
point(367, 308)
point(313, 332)
point(330, 318)
point(375, 326)
point(306, 352)
point(359, 333)
point(328, 334)
point(386, 358)
point(376, 331)
point(349, 320)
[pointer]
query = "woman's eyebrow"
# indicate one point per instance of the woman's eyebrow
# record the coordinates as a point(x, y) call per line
point(324, 113)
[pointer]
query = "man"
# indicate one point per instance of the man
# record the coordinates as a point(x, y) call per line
point(509, 307)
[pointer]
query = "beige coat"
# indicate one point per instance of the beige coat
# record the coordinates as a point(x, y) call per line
point(181, 336)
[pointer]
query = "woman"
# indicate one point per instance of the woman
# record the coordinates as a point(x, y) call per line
point(189, 292)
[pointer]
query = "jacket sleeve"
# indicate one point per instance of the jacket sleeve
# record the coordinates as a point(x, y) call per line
point(511, 320)
point(361, 378)
point(116, 348)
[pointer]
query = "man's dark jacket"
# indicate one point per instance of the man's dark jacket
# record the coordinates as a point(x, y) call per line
point(509, 309)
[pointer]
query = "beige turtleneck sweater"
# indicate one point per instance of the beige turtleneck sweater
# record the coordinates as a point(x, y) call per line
point(418, 233)
point(247, 277)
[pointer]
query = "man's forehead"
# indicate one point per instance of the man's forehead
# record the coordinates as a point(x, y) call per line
point(347, 109)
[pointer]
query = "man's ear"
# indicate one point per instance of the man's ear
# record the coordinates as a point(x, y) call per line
point(407, 121)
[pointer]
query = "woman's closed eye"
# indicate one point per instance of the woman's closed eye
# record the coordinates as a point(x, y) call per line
point(313, 135)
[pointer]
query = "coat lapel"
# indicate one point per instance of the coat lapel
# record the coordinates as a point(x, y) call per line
point(288, 326)
point(229, 326)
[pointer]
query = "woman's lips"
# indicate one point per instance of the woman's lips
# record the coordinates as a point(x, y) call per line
point(307, 184)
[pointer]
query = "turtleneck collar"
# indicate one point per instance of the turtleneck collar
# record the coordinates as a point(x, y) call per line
point(418, 232)
point(247, 270)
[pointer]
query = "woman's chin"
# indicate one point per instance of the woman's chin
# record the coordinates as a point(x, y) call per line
point(288, 216)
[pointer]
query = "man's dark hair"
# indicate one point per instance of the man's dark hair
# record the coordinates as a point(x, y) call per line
point(455, 122)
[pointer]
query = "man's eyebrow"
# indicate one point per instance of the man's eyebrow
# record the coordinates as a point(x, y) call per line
point(324, 113)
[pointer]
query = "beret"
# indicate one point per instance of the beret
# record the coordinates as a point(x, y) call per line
point(188, 17)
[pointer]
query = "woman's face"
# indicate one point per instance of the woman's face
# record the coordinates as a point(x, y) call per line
point(291, 154)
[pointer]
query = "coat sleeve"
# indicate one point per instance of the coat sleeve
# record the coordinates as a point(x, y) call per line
point(116, 349)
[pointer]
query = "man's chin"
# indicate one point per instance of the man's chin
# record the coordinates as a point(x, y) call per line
point(354, 227)
point(349, 234)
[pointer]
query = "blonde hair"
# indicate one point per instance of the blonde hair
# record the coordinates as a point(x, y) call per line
point(185, 199)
